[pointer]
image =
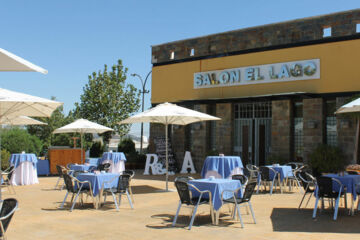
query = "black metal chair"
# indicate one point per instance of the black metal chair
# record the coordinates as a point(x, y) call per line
point(121, 189)
point(80, 188)
point(308, 183)
point(242, 178)
point(254, 171)
point(9, 206)
point(324, 189)
point(6, 178)
point(236, 200)
point(186, 198)
point(61, 170)
point(132, 174)
point(292, 178)
point(266, 178)
point(104, 167)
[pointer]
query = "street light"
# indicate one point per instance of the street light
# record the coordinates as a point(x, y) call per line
point(142, 104)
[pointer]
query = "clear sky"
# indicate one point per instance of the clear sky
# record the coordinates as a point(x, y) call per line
point(73, 38)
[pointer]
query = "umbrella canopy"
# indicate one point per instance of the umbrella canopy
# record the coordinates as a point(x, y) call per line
point(20, 120)
point(353, 106)
point(83, 126)
point(168, 113)
point(11, 62)
point(20, 104)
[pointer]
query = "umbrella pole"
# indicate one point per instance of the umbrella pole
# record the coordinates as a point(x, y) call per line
point(166, 154)
point(81, 150)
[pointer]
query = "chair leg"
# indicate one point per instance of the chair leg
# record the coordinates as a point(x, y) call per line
point(315, 208)
point(74, 202)
point(308, 200)
point(114, 197)
point(129, 199)
point(177, 213)
point(62, 204)
point(193, 216)
point(131, 194)
point(252, 211)
point(239, 214)
point(258, 186)
point(57, 183)
point(301, 201)
point(336, 208)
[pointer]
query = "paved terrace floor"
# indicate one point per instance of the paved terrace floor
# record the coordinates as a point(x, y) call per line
point(277, 217)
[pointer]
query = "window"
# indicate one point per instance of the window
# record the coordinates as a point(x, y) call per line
point(327, 32)
point(331, 133)
point(358, 27)
point(298, 129)
point(172, 55)
point(192, 52)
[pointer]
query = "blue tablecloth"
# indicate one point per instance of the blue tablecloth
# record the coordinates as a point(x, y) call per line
point(222, 165)
point(97, 180)
point(115, 157)
point(43, 167)
point(349, 181)
point(93, 161)
point(216, 187)
point(285, 171)
point(17, 158)
point(82, 167)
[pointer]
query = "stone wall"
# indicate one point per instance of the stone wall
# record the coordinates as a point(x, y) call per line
point(313, 125)
point(281, 128)
point(224, 128)
point(291, 32)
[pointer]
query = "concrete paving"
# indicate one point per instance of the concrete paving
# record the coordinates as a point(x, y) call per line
point(39, 217)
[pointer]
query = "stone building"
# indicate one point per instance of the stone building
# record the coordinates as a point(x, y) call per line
point(275, 87)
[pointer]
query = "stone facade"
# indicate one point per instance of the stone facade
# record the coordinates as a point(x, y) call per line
point(281, 128)
point(304, 30)
point(224, 128)
point(313, 125)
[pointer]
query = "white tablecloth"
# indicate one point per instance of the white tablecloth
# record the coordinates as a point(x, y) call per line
point(24, 174)
point(118, 167)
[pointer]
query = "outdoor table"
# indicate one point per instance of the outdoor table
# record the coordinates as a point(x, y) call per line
point(96, 180)
point(116, 159)
point(349, 182)
point(43, 167)
point(82, 167)
point(25, 172)
point(221, 167)
point(92, 161)
point(283, 170)
point(216, 187)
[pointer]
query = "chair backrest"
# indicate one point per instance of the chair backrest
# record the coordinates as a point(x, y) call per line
point(69, 183)
point(242, 178)
point(292, 165)
point(306, 179)
point(130, 172)
point(11, 170)
point(8, 208)
point(183, 178)
point(104, 167)
point(183, 190)
point(249, 190)
point(123, 183)
point(246, 172)
point(325, 186)
point(60, 171)
point(68, 166)
point(265, 173)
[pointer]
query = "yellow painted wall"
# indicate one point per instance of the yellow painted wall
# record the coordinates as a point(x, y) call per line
point(339, 72)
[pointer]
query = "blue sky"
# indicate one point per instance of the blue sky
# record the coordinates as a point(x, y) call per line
point(71, 39)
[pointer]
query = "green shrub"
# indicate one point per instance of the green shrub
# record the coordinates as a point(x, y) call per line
point(327, 159)
point(212, 152)
point(127, 146)
point(97, 149)
point(16, 140)
point(5, 156)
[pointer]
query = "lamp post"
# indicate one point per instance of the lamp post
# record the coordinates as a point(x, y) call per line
point(142, 104)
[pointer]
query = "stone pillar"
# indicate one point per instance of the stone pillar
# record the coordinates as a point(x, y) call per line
point(178, 144)
point(199, 140)
point(313, 118)
point(346, 130)
point(224, 128)
point(281, 129)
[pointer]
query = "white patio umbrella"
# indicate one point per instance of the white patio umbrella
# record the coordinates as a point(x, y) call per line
point(11, 63)
point(167, 113)
point(20, 120)
point(352, 107)
point(83, 126)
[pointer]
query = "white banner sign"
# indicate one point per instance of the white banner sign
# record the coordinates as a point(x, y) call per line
point(269, 73)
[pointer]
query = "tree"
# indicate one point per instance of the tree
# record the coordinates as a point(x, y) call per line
point(45, 132)
point(107, 99)
point(16, 140)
